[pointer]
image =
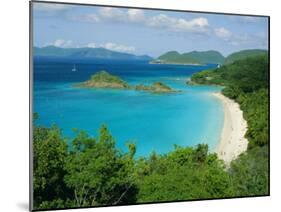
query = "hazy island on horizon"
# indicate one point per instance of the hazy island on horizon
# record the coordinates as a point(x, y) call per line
point(170, 57)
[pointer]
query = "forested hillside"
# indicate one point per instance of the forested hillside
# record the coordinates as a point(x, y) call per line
point(194, 57)
point(244, 54)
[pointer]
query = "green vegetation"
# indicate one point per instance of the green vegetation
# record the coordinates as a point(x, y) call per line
point(246, 81)
point(211, 57)
point(244, 54)
point(157, 87)
point(175, 57)
point(249, 172)
point(93, 172)
point(193, 57)
point(182, 174)
point(49, 159)
point(103, 79)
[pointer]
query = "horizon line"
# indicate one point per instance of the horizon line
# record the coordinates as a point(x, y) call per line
point(86, 47)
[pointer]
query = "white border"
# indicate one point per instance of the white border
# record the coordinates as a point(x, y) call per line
point(14, 113)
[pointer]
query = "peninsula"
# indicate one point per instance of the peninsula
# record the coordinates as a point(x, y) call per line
point(205, 57)
point(190, 58)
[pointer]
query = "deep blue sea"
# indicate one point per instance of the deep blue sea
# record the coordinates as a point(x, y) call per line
point(152, 121)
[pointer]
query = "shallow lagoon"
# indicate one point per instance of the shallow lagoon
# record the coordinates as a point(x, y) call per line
point(152, 121)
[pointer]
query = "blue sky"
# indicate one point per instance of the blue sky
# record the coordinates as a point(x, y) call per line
point(151, 32)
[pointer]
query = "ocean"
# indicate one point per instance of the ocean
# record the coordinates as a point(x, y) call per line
point(154, 122)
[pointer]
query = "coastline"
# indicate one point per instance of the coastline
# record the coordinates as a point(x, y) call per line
point(172, 63)
point(232, 141)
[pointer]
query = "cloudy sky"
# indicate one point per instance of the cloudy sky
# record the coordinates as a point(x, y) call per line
point(151, 32)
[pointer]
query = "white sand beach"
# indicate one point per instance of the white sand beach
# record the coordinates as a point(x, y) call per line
point(232, 142)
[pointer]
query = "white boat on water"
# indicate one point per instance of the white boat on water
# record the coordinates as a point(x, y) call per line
point(74, 68)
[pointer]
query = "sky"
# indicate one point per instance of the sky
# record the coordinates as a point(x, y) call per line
point(149, 32)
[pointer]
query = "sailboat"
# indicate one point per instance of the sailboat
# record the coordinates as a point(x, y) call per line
point(74, 68)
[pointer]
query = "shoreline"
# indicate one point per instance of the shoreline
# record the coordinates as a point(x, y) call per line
point(171, 63)
point(232, 141)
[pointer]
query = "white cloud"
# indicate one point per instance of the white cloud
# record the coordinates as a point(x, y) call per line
point(61, 43)
point(161, 20)
point(137, 16)
point(118, 47)
point(92, 45)
point(247, 40)
point(236, 39)
point(114, 14)
point(118, 15)
point(193, 25)
point(223, 33)
point(179, 24)
point(88, 18)
point(49, 7)
point(111, 46)
point(108, 45)
point(245, 19)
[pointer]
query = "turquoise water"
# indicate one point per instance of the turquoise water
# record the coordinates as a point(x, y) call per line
point(152, 121)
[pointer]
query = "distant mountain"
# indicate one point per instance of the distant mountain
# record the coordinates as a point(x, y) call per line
point(194, 57)
point(244, 54)
point(100, 53)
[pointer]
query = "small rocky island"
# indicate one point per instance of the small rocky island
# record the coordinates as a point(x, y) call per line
point(157, 87)
point(103, 79)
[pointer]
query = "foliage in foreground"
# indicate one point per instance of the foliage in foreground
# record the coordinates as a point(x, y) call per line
point(94, 172)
